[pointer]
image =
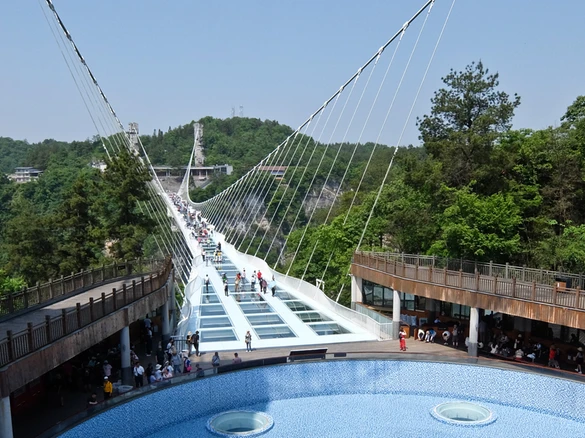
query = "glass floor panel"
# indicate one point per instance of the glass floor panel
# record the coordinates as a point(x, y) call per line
point(283, 295)
point(214, 322)
point(274, 332)
point(328, 329)
point(209, 298)
point(297, 306)
point(265, 319)
point(256, 308)
point(312, 317)
point(212, 310)
point(217, 335)
point(247, 297)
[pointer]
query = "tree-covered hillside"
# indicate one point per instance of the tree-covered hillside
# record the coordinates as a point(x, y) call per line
point(476, 189)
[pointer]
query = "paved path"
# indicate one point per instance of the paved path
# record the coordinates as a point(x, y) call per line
point(37, 316)
point(353, 349)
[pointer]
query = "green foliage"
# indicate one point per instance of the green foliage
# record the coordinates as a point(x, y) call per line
point(479, 227)
point(126, 225)
point(466, 120)
point(10, 284)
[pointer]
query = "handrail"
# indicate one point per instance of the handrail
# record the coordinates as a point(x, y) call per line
point(17, 345)
point(63, 287)
point(504, 271)
point(476, 282)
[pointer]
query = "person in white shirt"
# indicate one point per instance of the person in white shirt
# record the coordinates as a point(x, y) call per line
point(158, 373)
point(253, 282)
point(138, 375)
point(107, 369)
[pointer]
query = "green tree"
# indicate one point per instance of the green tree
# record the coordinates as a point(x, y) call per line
point(29, 242)
point(479, 227)
point(80, 239)
point(465, 122)
point(123, 191)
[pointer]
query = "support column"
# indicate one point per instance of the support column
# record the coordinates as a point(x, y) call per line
point(395, 314)
point(356, 290)
point(5, 418)
point(166, 330)
point(473, 331)
point(126, 370)
point(172, 307)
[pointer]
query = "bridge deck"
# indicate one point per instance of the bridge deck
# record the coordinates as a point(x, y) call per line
point(286, 319)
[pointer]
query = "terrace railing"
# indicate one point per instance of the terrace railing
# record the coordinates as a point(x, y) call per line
point(538, 286)
point(66, 286)
point(17, 345)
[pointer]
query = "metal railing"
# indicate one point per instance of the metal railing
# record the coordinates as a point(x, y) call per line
point(17, 345)
point(423, 269)
point(65, 287)
point(504, 271)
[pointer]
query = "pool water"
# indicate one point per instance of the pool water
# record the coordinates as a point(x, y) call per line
point(375, 415)
point(349, 398)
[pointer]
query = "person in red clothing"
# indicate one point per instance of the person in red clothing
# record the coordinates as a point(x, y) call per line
point(552, 360)
point(402, 337)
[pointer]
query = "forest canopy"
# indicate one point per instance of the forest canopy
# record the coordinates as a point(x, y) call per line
point(475, 188)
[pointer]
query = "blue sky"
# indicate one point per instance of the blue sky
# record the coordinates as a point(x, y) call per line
point(166, 63)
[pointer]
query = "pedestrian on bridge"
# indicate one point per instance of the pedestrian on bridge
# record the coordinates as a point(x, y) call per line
point(237, 282)
point(206, 283)
point(253, 282)
point(244, 279)
point(248, 340)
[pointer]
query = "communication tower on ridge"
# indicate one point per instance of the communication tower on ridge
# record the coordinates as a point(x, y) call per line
point(199, 157)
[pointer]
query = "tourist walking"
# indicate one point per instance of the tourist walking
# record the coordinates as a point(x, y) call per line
point(206, 283)
point(402, 337)
point(253, 282)
point(215, 361)
point(148, 341)
point(263, 285)
point(237, 282)
point(226, 290)
point(248, 340)
point(273, 286)
point(579, 360)
point(108, 388)
point(195, 342)
point(138, 374)
point(176, 361)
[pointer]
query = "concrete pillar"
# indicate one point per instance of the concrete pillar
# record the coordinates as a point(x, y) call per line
point(356, 290)
point(473, 331)
point(395, 314)
point(126, 370)
point(166, 327)
point(5, 418)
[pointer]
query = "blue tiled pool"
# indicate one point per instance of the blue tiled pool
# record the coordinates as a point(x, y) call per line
point(354, 398)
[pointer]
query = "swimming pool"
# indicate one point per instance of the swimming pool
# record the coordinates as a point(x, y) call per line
point(349, 398)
